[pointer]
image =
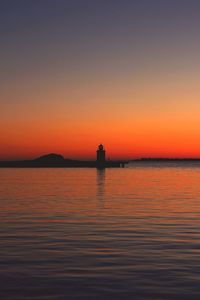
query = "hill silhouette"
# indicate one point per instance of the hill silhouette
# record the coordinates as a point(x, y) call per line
point(52, 157)
point(53, 160)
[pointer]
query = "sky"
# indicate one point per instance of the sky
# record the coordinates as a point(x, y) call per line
point(76, 73)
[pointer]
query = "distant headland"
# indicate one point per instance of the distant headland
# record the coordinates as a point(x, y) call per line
point(54, 160)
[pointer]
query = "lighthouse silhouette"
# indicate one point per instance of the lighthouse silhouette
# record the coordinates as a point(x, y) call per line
point(101, 157)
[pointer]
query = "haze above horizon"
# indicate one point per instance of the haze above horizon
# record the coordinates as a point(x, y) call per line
point(77, 73)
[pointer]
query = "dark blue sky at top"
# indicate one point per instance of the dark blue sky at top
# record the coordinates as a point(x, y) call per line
point(94, 21)
point(46, 35)
point(32, 14)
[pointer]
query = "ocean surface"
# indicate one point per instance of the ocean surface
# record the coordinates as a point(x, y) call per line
point(131, 233)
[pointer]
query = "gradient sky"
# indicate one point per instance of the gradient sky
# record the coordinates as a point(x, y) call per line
point(76, 73)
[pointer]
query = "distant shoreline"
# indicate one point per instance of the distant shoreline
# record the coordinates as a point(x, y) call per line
point(165, 159)
point(68, 163)
point(58, 161)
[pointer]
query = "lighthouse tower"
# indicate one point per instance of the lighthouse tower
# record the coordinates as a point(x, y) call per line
point(101, 157)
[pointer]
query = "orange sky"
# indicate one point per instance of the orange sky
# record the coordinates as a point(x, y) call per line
point(121, 75)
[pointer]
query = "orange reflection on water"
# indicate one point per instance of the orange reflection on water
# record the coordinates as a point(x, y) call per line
point(132, 192)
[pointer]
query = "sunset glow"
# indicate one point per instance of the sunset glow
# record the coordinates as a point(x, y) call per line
point(124, 75)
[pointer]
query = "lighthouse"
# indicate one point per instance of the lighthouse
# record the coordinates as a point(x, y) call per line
point(101, 157)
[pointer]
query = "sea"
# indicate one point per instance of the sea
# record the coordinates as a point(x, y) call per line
point(123, 233)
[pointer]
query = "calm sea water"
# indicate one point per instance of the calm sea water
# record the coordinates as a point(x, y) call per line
point(130, 233)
